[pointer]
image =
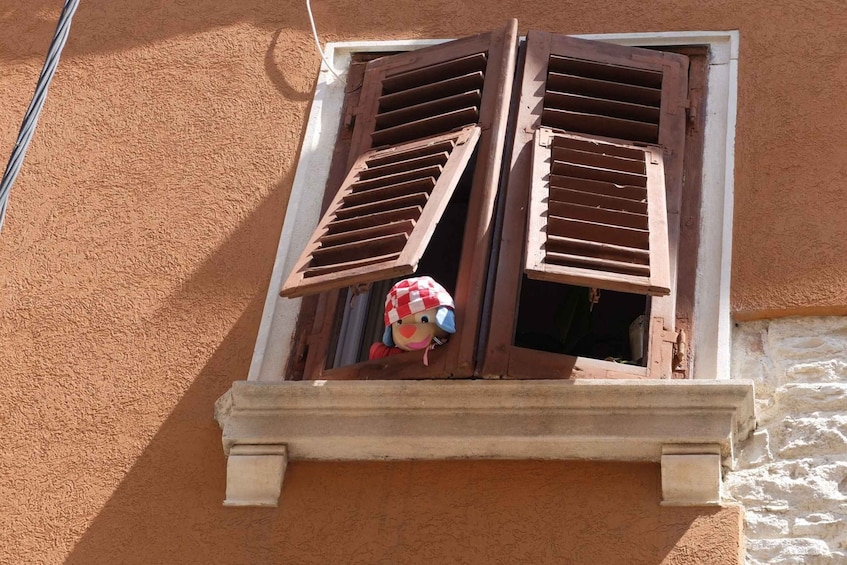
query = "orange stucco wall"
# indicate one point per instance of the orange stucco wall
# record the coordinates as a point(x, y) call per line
point(140, 239)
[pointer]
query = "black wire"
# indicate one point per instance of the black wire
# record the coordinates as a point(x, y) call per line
point(16, 160)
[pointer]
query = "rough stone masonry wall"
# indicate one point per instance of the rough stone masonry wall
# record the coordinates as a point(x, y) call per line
point(791, 475)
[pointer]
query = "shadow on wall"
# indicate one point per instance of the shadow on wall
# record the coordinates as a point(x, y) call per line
point(168, 506)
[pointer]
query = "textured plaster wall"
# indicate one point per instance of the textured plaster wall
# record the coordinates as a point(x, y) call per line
point(141, 236)
point(792, 473)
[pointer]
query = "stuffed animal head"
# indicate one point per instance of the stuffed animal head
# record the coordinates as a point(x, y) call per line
point(417, 311)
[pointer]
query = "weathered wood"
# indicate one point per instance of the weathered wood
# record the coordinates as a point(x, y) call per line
point(636, 95)
point(323, 265)
point(494, 82)
point(561, 219)
point(531, 364)
point(430, 125)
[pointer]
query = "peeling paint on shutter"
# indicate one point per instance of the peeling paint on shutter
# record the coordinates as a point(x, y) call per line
point(597, 215)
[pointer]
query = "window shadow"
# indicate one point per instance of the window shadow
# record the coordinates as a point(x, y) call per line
point(168, 506)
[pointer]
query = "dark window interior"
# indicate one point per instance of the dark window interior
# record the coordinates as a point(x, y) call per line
point(561, 318)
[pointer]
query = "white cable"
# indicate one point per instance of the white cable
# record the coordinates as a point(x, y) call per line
point(318, 42)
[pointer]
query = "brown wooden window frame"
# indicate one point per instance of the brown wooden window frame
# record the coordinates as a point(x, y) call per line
point(460, 358)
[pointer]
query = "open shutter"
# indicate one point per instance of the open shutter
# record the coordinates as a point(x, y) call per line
point(563, 226)
point(597, 215)
point(383, 216)
point(598, 212)
point(418, 119)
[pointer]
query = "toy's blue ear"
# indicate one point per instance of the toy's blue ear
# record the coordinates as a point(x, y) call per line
point(387, 338)
point(445, 319)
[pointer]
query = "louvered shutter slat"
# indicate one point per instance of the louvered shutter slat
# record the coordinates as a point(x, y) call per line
point(416, 199)
point(411, 213)
point(607, 126)
point(429, 172)
point(595, 231)
point(430, 73)
point(413, 162)
point(356, 235)
point(568, 209)
point(382, 217)
point(589, 262)
point(358, 250)
point(424, 127)
point(630, 197)
point(565, 245)
point(351, 268)
point(560, 193)
point(410, 189)
point(587, 237)
point(398, 101)
point(444, 105)
point(570, 102)
point(604, 89)
point(605, 71)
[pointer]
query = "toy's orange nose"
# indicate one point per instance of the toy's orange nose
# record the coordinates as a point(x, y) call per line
point(407, 331)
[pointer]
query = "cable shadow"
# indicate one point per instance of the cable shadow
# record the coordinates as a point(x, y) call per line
point(278, 78)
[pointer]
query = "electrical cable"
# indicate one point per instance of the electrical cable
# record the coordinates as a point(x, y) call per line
point(318, 43)
point(30, 120)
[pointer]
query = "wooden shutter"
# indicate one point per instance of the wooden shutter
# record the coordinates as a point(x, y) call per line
point(384, 214)
point(597, 214)
point(428, 92)
point(418, 119)
point(604, 92)
point(613, 94)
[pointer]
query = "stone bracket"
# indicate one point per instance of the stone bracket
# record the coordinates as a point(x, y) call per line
point(254, 474)
point(691, 475)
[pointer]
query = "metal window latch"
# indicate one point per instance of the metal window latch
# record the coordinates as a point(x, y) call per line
point(350, 117)
point(593, 298)
point(357, 290)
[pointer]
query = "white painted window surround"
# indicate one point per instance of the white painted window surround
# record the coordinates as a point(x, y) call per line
point(712, 319)
point(689, 426)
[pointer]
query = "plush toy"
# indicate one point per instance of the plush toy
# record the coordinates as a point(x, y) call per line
point(418, 315)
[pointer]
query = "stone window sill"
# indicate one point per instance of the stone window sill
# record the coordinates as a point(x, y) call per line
point(688, 426)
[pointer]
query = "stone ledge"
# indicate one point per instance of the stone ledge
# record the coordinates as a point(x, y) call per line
point(687, 425)
point(583, 419)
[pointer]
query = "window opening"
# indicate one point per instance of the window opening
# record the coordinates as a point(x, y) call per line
point(561, 318)
point(362, 321)
point(549, 317)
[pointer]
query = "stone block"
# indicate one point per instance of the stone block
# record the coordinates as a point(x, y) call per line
point(831, 526)
point(755, 451)
point(788, 551)
point(820, 370)
point(812, 397)
point(825, 434)
point(766, 525)
point(254, 475)
point(690, 479)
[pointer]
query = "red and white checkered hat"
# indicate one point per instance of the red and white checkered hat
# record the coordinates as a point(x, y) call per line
point(414, 295)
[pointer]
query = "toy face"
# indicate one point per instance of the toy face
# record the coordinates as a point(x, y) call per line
point(416, 331)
